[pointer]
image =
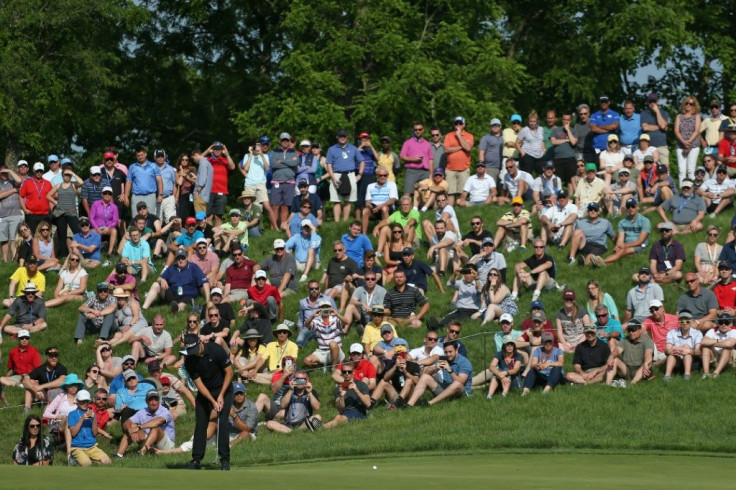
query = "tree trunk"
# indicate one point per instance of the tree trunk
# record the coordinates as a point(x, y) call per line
point(12, 150)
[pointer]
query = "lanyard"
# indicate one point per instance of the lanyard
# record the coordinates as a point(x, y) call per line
point(683, 202)
point(50, 377)
point(39, 190)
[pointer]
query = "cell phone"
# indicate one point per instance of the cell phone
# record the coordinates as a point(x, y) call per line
point(345, 385)
point(402, 355)
point(443, 358)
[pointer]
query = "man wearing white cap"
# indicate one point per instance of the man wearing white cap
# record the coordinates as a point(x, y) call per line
point(92, 189)
point(282, 268)
point(268, 295)
point(305, 247)
point(29, 311)
point(328, 326)
point(22, 359)
point(33, 200)
point(103, 216)
point(206, 260)
point(362, 368)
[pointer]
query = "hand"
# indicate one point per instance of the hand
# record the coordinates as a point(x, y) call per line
point(219, 403)
point(160, 199)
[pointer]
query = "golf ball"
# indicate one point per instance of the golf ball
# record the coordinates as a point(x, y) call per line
point(375, 467)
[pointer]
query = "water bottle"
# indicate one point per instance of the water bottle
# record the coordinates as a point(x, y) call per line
point(180, 291)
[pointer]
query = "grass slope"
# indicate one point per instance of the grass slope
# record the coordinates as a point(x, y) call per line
point(677, 416)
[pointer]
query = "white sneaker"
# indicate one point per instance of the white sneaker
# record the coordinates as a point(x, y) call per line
point(289, 323)
point(712, 215)
point(514, 296)
point(536, 294)
point(424, 209)
point(303, 278)
point(415, 208)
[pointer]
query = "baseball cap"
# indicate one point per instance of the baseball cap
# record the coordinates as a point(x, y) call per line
point(666, 225)
point(631, 202)
point(506, 318)
point(661, 169)
point(515, 118)
point(129, 373)
point(724, 316)
point(279, 243)
point(724, 265)
point(216, 291)
point(66, 161)
point(653, 97)
point(191, 220)
point(487, 241)
point(233, 212)
point(590, 328)
point(386, 327)
point(507, 339)
point(325, 304)
point(127, 358)
point(31, 260)
point(140, 205)
point(591, 167)
point(377, 310)
point(200, 215)
point(685, 314)
point(52, 158)
point(260, 274)
point(612, 137)
point(568, 294)
point(624, 170)
point(629, 158)
point(103, 286)
point(633, 324)
point(593, 206)
point(159, 152)
point(342, 133)
point(24, 334)
point(303, 183)
point(22, 162)
point(686, 183)
point(541, 317)
point(655, 303)
point(120, 268)
point(305, 143)
point(603, 98)
point(83, 396)
point(38, 166)
point(191, 343)
point(217, 145)
point(154, 366)
point(152, 394)
point(386, 139)
point(561, 194)
point(646, 137)
point(108, 154)
point(547, 193)
point(645, 270)
point(356, 347)
point(547, 336)
point(306, 222)
point(439, 171)
point(517, 200)
point(95, 170)
point(107, 188)
point(495, 121)
point(364, 135)
point(201, 241)
point(238, 388)
point(459, 119)
point(181, 253)
point(537, 304)
point(549, 164)
point(407, 251)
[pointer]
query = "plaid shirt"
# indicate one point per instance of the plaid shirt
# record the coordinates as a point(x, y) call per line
point(97, 304)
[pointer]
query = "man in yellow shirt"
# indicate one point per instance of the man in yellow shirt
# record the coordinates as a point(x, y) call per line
point(23, 274)
point(590, 189)
point(425, 191)
point(278, 349)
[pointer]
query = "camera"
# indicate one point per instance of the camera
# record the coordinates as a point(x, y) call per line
point(325, 311)
point(300, 382)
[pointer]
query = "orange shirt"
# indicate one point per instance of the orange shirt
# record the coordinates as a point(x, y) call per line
point(460, 160)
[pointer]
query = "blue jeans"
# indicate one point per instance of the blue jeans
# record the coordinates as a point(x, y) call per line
point(535, 378)
point(305, 335)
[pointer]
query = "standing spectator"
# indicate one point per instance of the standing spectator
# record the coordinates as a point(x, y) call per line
point(654, 122)
point(186, 177)
point(113, 177)
point(584, 149)
point(563, 140)
point(103, 217)
point(711, 127)
point(687, 132)
point(166, 210)
point(91, 191)
point(510, 136)
point(144, 181)
point(530, 143)
point(222, 163)
point(203, 186)
point(726, 149)
point(343, 160)
point(63, 196)
point(630, 128)
point(603, 123)
point(388, 159)
point(33, 202)
point(417, 154)
point(254, 168)
point(458, 145)
point(490, 150)
point(10, 211)
point(283, 162)
point(369, 156)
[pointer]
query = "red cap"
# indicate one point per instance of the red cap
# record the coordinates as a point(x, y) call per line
point(364, 135)
point(191, 221)
point(108, 154)
point(165, 380)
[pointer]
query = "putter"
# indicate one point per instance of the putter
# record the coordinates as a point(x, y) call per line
point(217, 442)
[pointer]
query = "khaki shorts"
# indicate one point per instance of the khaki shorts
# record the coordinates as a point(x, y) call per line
point(237, 295)
point(167, 209)
point(199, 204)
point(335, 197)
point(456, 180)
point(261, 193)
point(15, 379)
point(84, 455)
point(165, 443)
point(324, 356)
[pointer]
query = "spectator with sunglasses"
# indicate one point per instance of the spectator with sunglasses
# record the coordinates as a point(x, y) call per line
point(683, 345)
point(33, 448)
point(657, 325)
point(118, 382)
point(109, 365)
point(29, 311)
point(44, 381)
point(33, 201)
point(700, 303)
point(717, 346)
point(87, 243)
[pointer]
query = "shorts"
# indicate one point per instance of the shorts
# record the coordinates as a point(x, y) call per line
point(199, 205)
point(236, 295)
point(281, 194)
point(440, 388)
point(15, 379)
point(593, 248)
point(413, 176)
point(324, 356)
point(165, 443)
point(658, 355)
point(216, 204)
point(9, 227)
point(352, 197)
point(456, 180)
point(85, 454)
point(261, 193)
point(353, 415)
point(631, 371)
point(167, 209)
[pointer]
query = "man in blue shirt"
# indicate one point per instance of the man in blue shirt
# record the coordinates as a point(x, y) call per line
point(144, 181)
point(306, 248)
point(633, 233)
point(87, 243)
point(187, 241)
point(179, 284)
point(356, 243)
point(343, 159)
point(602, 123)
point(589, 237)
point(167, 208)
point(457, 374)
point(630, 126)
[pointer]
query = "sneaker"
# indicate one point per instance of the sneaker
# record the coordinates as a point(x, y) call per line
point(119, 456)
point(72, 460)
point(667, 378)
point(26, 410)
point(712, 215)
point(289, 323)
point(391, 407)
point(303, 278)
point(581, 260)
point(536, 294)
point(571, 261)
point(598, 261)
point(686, 377)
point(379, 254)
point(706, 376)
point(489, 397)
point(560, 287)
point(313, 423)
point(449, 282)
point(174, 307)
point(514, 296)
point(522, 248)
point(106, 263)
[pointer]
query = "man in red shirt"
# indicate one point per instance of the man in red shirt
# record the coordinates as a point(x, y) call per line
point(725, 290)
point(22, 359)
point(726, 150)
point(239, 274)
point(363, 370)
point(222, 164)
point(33, 200)
point(657, 325)
point(268, 296)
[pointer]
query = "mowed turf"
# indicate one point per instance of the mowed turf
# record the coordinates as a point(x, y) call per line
point(509, 470)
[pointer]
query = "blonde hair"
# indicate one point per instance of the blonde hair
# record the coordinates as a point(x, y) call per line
point(695, 106)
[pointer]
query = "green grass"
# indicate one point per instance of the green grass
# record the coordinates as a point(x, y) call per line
point(510, 469)
point(677, 416)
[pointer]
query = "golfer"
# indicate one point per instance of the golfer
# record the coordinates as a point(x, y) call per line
point(210, 368)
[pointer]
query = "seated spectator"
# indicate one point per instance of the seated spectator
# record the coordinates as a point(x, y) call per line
point(657, 326)
point(380, 197)
point(248, 358)
point(541, 274)
point(185, 242)
point(547, 183)
point(467, 297)
point(43, 248)
point(667, 256)
point(136, 256)
point(590, 358)
point(22, 360)
point(683, 344)
point(505, 368)
point(82, 423)
point(384, 352)
point(598, 297)
point(352, 398)
point(701, 303)
point(178, 285)
point(479, 189)
point(97, 315)
point(281, 266)
point(473, 239)
point(56, 412)
point(227, 314)
point(239, 275)
point(619, 193)
point(725, 290)
point(236, 231)
point(304, 213)
point(44, 381)
point(706, 255)
point(154, 343)
point(243, 421)
point(487, 259)
point(687, 210)
point(557, 218)
point(20, 279)
point(363, 369)
point(639, 298)
point(102, 412)
point(151, 427)
point(329, 327)
point(514, 226)
point(129, 319)
point(417, 272)
point(356, 243)
point(589, 238)
point(118, 381)
point(72, 284)
point(401, 302)
point(33, 448)
point(717, 193)
point(717, 346)
point(545, 366)
point(632, 359)
point(633, 234)
point(119, 278)
point(571, 321)
point(516, 183)
point(441, 243)
point(280, 348)
point(363, 301)
point(372, 333)
point(267, 295)
point(457, 373)
point(306, 247)
point(299, 402)
point(408, 218)
point(29, 312)
point(609, 328)
point(589, 190)
point(207, 260)
point(252, 213)
point(454, 329)
point(427, 190)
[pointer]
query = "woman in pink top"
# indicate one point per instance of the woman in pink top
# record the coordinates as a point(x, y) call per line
point(104, 218)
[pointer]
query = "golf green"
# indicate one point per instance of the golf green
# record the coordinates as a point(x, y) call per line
point(507, 469)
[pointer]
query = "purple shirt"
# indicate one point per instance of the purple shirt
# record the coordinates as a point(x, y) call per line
point(144, 416)
point(413, 148)
point(660, 253)
point(103, 215)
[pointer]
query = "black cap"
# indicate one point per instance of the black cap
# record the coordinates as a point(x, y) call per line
point(32, 260)
point(120, 268)
point(141, 205)
point(645, 270)
point(303, 183)
point(342, 133)
point(561, 194)
point(661, 169)
point(634, 324)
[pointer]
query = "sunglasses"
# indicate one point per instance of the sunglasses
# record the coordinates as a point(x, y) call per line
point(106, 349)
point(314, 289)
point(214, 315)
point(44, 229)
point(370, 278)
point(712, 234)
point(337, 250)
point(453, 331)
point(192, 321)
point(397, 231)
point(431, 339)
point(493, 274)
point(476, 223)
point(345, 371)
point(260, 278)
point(604, 315)
point(538, 246)
point(690, 281)
point(51, 354)
point(95, 371)
point(101, 398)
point(239, 254)
point(685, 322)
point(128, 362)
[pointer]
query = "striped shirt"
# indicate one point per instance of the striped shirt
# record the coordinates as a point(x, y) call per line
point(378, 194)
point(91, 191)
point(9, 206)
point(326, 333)
point(403, 303)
